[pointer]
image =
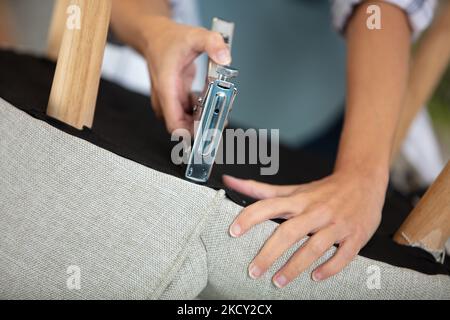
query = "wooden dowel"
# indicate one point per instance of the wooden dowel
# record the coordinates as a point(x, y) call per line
point(57, 27)
point(429, 63)
point(428, 224)
point(75, 84)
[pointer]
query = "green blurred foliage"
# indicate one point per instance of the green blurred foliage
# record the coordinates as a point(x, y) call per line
point(439, 108)
point(439, 105)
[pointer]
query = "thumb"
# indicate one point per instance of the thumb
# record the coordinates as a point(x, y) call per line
point(214, 45)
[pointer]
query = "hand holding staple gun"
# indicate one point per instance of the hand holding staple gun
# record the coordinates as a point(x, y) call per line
point(170, 49)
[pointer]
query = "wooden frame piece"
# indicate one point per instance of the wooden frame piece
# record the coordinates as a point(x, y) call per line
point(75, 85)
point(428, 225)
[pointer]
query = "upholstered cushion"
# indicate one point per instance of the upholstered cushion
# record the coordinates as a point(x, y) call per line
point(137, 233)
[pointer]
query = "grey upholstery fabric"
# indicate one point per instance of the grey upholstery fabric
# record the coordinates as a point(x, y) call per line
point(136, 233)
point(66, 202)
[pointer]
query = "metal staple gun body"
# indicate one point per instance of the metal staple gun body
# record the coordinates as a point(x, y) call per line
point(212, 111)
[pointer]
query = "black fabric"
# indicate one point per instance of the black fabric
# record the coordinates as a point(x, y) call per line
point(125, 124)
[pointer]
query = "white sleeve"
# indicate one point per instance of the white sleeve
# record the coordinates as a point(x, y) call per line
point(420, 12)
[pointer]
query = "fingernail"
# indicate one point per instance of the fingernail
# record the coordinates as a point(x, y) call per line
point(316, 276)
point(224, 57)
point(235, 230)
point(254, 271)
point(280, 281)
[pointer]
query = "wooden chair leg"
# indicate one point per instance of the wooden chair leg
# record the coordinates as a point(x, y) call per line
point(428, 225)
point(429, 63)
point(75, 84)
point(57, 27)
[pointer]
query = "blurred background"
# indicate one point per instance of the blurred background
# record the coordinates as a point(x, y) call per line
point(292, 67)
point(439, 108)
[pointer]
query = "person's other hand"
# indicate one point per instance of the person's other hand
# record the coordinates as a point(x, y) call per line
point(343, 209)
point(170, 52)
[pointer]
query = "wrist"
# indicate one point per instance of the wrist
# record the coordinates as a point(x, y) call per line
point(362, 159)
point(375, 173)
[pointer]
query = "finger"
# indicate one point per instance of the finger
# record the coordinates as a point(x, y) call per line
point(312, 250)
point(155, 104)
point(194, 116)
point(175, 121)
point(174, 115)
point(284, 237)
point(213, 44)
point(261, 211)
point(188, 78)
point(257, 190)
point(346, 252)
point(194, 97)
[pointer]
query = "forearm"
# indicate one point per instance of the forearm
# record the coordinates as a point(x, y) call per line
point(130, 19)
point(378, 64)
